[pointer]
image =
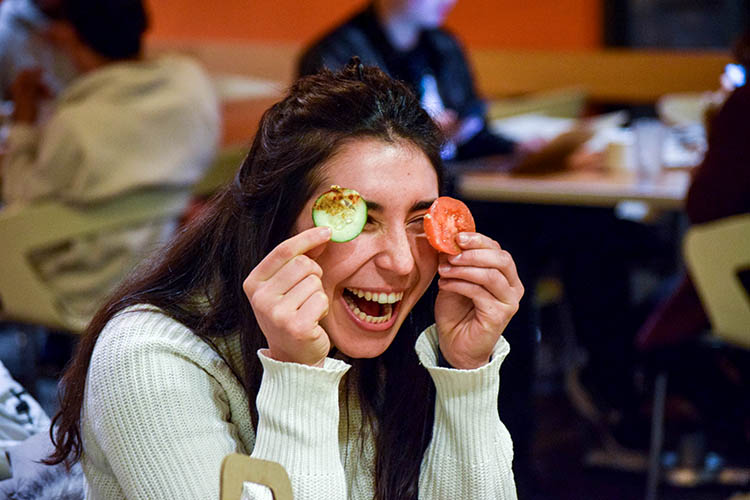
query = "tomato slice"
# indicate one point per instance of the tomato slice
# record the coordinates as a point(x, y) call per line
point(446, 218)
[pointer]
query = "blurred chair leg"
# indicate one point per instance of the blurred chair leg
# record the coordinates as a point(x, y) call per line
point(657, 436)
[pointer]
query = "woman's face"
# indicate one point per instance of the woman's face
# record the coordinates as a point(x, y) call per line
point(427, 14)
point(391, 260)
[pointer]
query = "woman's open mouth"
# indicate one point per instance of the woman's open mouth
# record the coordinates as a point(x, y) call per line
point(372, 309)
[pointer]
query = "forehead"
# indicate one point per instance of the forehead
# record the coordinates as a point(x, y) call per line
point(382, 171)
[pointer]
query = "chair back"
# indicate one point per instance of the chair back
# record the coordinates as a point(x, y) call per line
point(221, 171)
point(715, 253)
point(236, 469)
point(24, 297)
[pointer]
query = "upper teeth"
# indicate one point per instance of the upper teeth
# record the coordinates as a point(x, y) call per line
point(382, 298)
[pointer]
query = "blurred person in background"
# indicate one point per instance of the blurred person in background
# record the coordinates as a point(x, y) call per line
point(127, 122)
point(21, 416)
point(24, 44)
point(405, 38)
point(714, 389)
point(720, 187)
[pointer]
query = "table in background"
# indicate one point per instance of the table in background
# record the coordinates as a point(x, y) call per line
point(592, 188)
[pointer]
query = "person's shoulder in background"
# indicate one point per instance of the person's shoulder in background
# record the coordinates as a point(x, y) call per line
point(721, 184)
point(191, 73)
point(444, 41)
point(736, 109)
point(336, 47)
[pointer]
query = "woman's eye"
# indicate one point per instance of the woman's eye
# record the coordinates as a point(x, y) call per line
point(417, 224)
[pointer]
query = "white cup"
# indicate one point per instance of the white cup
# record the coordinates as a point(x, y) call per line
point(650, 134)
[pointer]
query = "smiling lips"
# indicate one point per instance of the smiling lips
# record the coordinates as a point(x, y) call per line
point(372, 307)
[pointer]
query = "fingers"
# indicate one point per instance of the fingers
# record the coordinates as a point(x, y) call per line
point(315, 306)
point(486, 304)
point(291, 287)
point(483, 273)
point(490, 280)
point(290, 249)
point(483, 252)
point(287, 296)
point(297, 316)
point(289, 301)
point(291, 273)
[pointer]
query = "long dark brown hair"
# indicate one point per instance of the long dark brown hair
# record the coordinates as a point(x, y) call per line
point(197, 279)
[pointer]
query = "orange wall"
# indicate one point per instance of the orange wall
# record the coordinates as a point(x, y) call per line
point(563, 24)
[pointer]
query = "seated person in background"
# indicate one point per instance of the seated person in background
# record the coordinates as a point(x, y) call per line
point(20, 417)
point(720, 187)
point(126, 123)
point(23, 44)
point(404, 39)
point(24, 444)
point(714, 388)
point(181, 367)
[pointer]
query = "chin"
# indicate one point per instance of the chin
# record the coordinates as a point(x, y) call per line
point(355, 341)
point(364, 347)
point(364, 352)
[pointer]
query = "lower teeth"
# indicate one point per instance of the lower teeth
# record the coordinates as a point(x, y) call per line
point(366, 317)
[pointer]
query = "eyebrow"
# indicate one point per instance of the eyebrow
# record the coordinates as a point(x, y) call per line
point(420, 205)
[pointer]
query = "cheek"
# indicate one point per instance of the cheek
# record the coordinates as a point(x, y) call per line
point(426, 257)
point(338, 262)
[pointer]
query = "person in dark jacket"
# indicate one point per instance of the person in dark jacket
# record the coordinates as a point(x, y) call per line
point(406, 40)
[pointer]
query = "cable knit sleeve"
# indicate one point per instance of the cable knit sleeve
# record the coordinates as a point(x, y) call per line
point(471, 451)
point(157, 421)
point(298, 413)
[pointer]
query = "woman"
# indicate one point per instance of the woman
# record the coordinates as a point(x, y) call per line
point(182, 367)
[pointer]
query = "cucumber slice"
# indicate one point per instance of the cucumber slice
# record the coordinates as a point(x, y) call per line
point(343, 210)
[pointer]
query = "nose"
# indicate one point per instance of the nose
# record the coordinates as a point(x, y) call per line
point(396, 253)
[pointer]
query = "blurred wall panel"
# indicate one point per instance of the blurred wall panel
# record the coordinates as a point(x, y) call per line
point(540, 24)
point(676, 24)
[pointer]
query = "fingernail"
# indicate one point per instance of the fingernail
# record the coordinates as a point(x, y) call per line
point(443, 268)
point(325, 231)
point(463, 238)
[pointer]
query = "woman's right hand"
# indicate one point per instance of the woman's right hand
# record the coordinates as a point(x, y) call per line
point(286, 293)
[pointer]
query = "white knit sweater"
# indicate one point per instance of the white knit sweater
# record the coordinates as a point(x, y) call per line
point(162, 409)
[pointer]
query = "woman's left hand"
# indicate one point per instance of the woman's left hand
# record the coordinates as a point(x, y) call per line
point(479, 292)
